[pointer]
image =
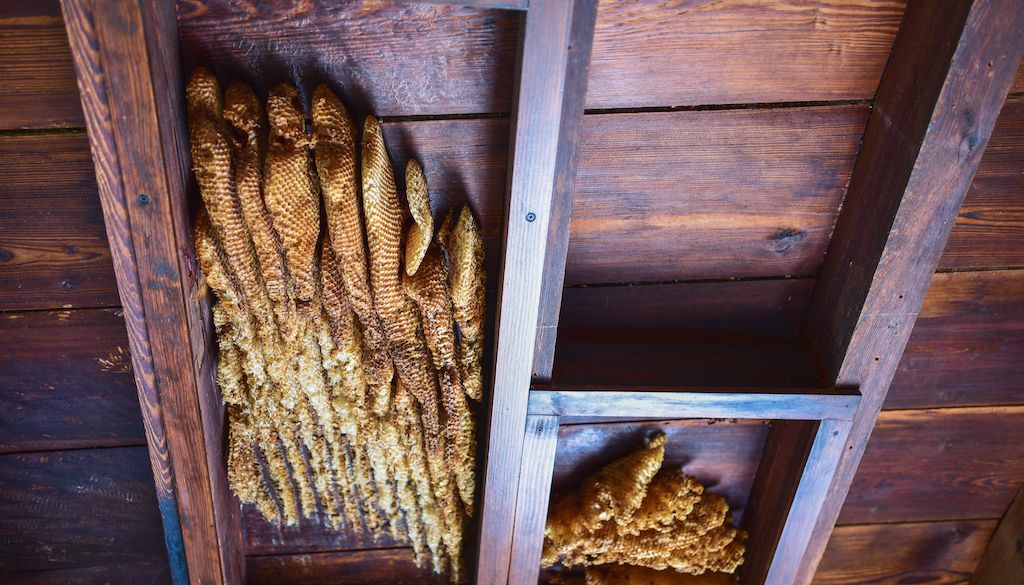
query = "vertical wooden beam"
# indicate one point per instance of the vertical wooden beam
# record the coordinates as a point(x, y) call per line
point(581, 40)
point(939, 97)
point(543, 69)
point(532, 500)
point(126, 60)
point(1003, 563)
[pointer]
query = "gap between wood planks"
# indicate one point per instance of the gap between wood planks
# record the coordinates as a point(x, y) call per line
point(98, 446)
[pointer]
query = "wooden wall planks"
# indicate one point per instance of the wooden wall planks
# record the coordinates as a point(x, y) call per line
point(721, 194)
point(969, 335)
point(649, 54)
point(939, 464)
point(53, 246)
point(66, 509)
point(989, 231)
point(37, 80)
point(443, 59)
point(937, 553)
point(261, 537)
point(666, 53)
point(394, 565)
point(155, 573)
point(66, 381)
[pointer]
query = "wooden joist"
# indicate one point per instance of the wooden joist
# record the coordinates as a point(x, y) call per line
point(1003, 563)
point(936, 106)
point(126, 60)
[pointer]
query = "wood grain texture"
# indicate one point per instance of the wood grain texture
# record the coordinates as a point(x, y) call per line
point(310, 535)
point(1003, 563)
point(937, 553)
point(581, 38)
point(989, 231)
point(59, 510)
point(699, 195)
point(133, 574)
point(371, 567)
point(128, 49)
point(968, 338)
point(935, 109)
point(37, 78)
point(532, 499)
point(66, 381)
point(740, 403)
point(53, 247)
point(667, 53)
point(542, 72)
point(723, 455)
point(939, 464)
point(374, 50)
point(823, 456)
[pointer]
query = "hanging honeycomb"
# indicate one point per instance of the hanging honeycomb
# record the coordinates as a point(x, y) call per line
point(633, 522)
point(349, 333)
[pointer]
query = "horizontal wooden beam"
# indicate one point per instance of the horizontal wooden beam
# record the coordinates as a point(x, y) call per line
point(489, 4)
point(739, 403)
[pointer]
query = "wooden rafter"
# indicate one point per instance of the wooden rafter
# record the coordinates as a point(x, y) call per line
point(546, 89)
point(125, 54)
point(938, 101)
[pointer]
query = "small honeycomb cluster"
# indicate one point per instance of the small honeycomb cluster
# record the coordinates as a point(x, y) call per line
point(632, 522)
point(349, 336)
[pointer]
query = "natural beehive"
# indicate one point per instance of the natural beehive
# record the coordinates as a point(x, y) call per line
point(347, 356)
point(631, 513)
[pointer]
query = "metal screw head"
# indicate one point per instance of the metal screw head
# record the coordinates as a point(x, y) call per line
point(143, 199)
point(531, 216)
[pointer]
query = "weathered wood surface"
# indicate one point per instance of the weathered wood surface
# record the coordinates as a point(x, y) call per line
point(384, 566)
point(723, 455)
point(641, 403)
point(37, 78)
point(658, 53)
point(1003, 563)
point(310, 535)
point(53, 248)
point(65, 509)
point(126, 59)
point(544, 68)
point(581, 38)
point(391, 58)
point(989, 231)
point(968, 338)
point(667, 53)
point(936, 106)
point(533, 497)
point(722, 194)
point(133, 574)
point(939, 464)
point(937, 553)
point(66, 381)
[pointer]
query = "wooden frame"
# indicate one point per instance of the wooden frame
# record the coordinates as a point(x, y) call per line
point(924, 139)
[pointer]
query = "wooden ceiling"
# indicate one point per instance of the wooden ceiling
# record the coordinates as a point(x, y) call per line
point(713, 163)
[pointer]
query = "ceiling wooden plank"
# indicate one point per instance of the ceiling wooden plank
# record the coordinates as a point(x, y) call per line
point(532, 499)
point(936, 106)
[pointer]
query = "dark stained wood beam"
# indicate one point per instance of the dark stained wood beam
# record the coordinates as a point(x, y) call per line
point(948, 75)
point(1003, 563)
point(544, 72)
point(126, 59)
